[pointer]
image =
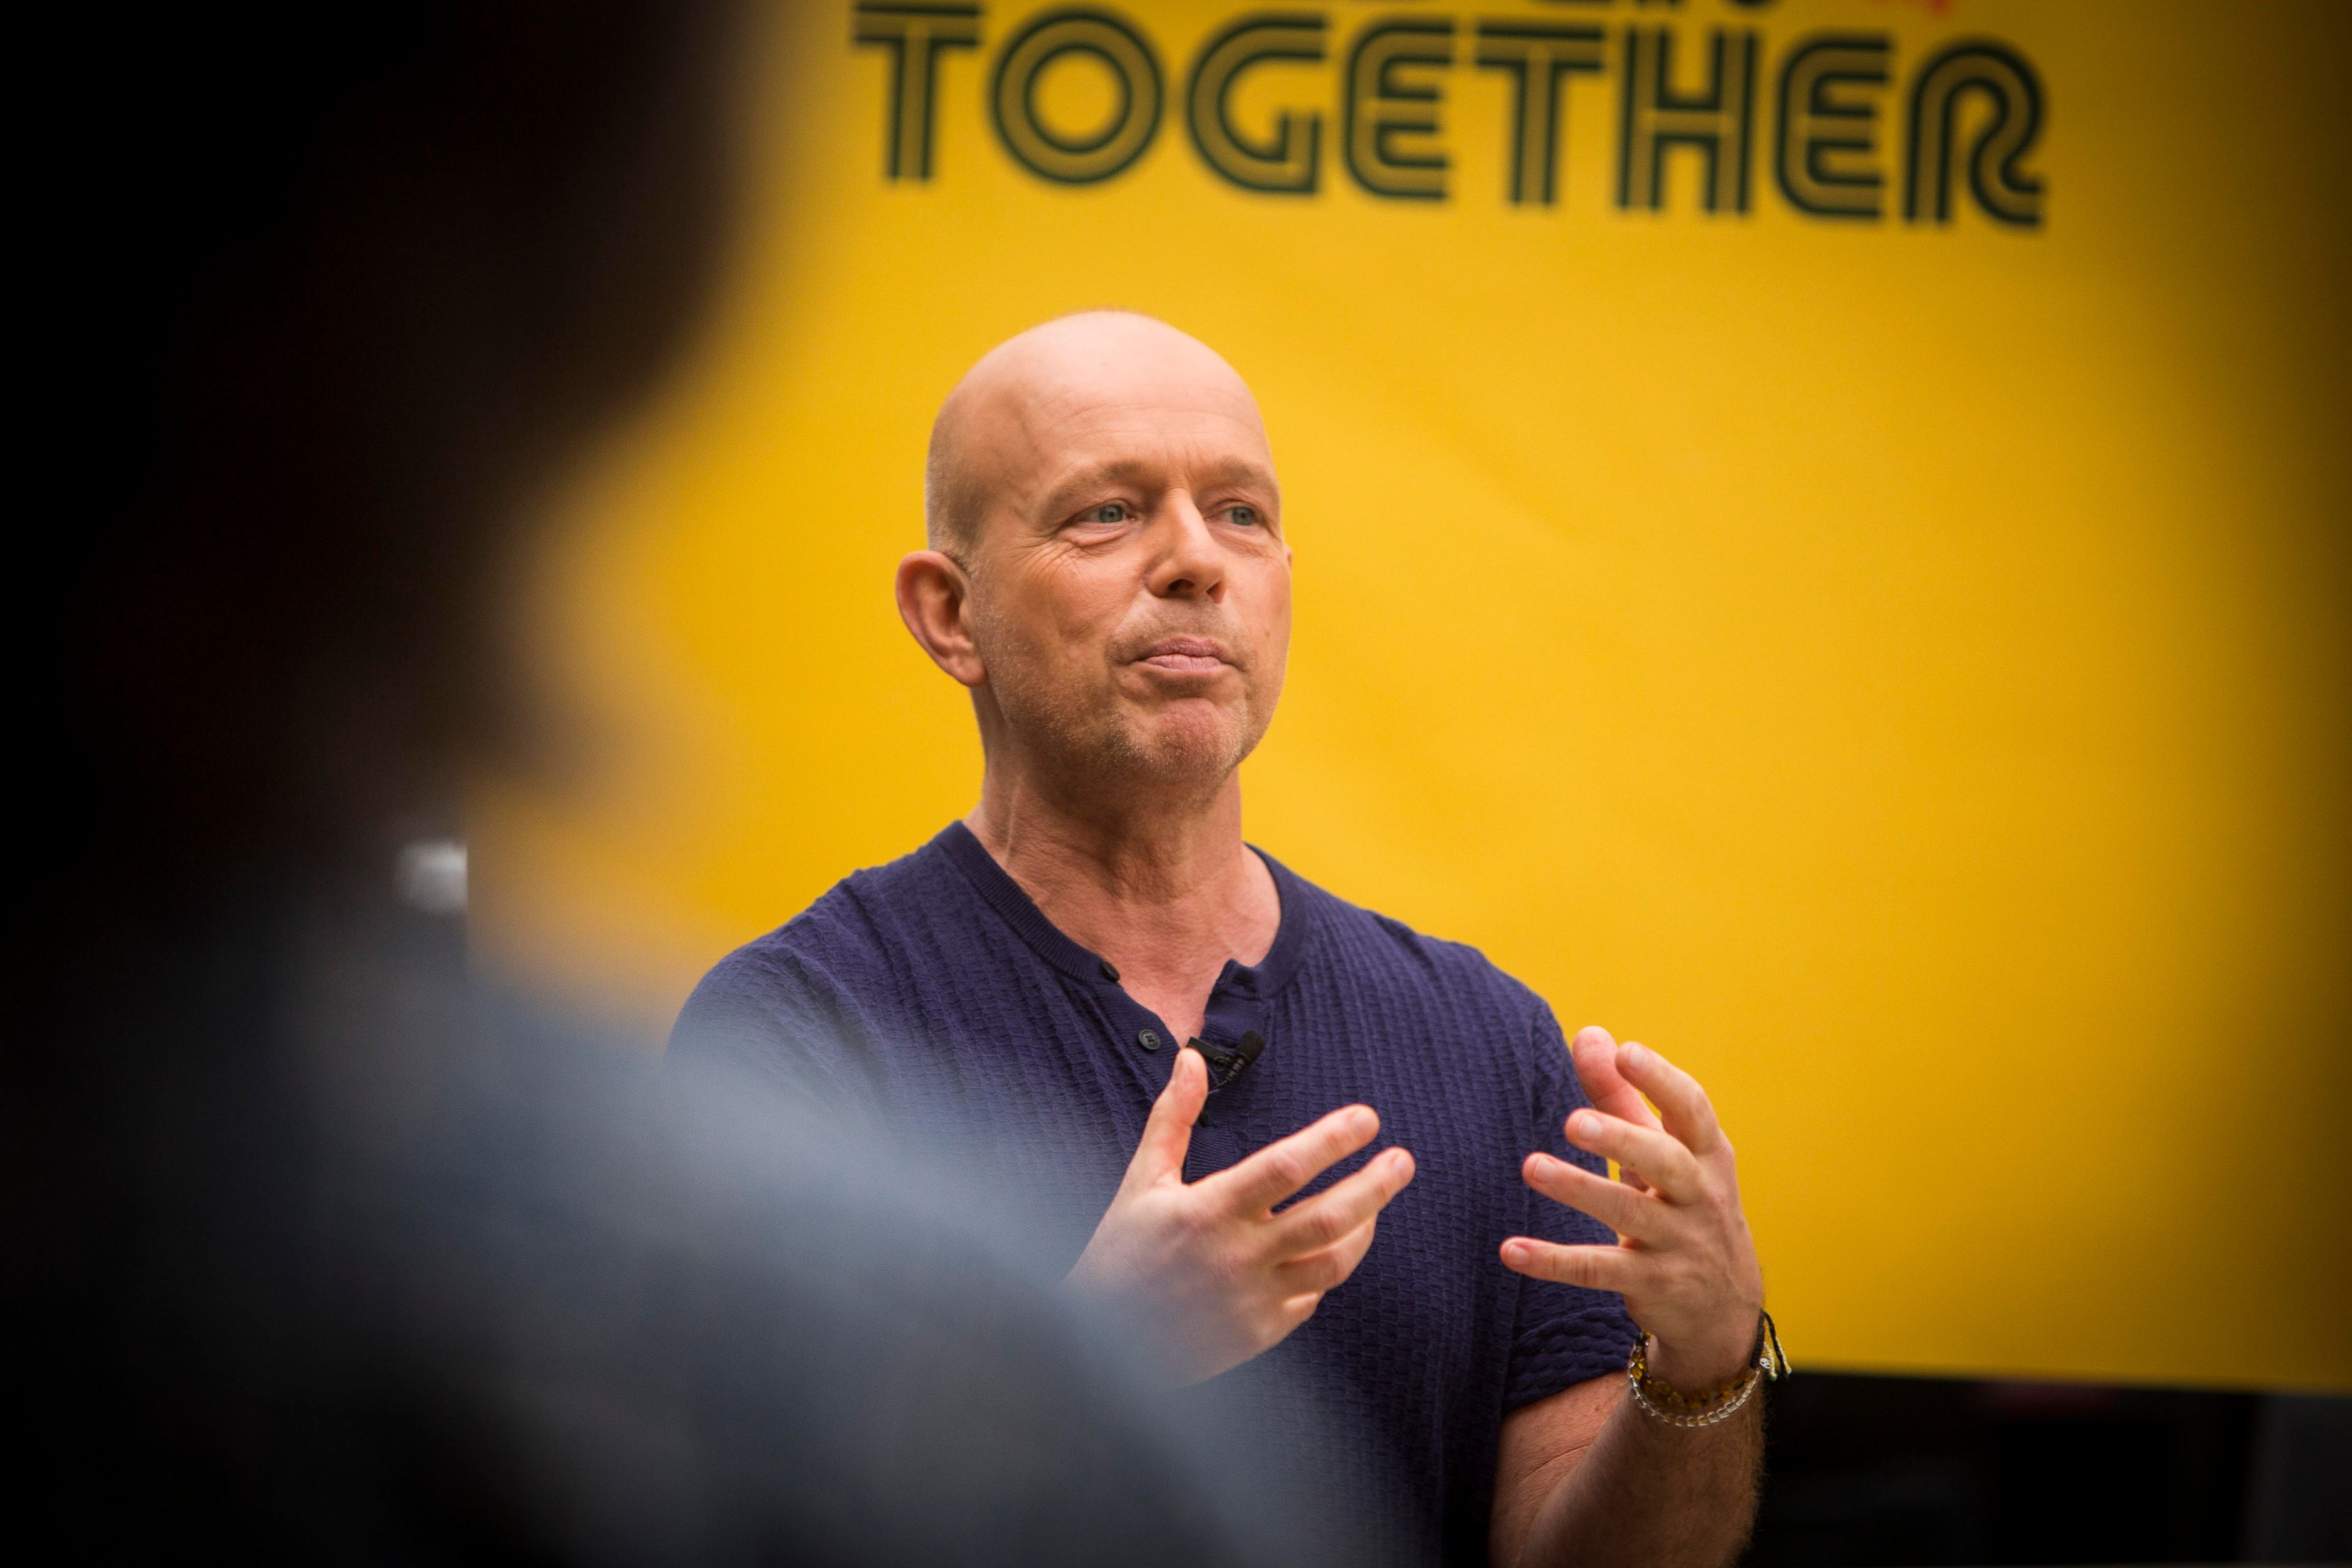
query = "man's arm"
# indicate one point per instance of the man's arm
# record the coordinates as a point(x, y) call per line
point(1586, 1474)
point(782, 1021)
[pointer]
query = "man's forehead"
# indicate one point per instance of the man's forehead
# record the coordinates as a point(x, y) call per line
point(1148, 445)
point(1091, 392)
point(1145, 383)
point(1102, 422)
point(1133, 417)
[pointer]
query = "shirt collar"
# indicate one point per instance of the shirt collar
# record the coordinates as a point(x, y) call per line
point(1001, 893)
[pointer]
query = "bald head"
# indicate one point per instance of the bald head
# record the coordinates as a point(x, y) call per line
point(1030, 400)
point(1107, 571)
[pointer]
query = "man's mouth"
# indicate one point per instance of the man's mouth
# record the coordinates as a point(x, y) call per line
point(1185, 656)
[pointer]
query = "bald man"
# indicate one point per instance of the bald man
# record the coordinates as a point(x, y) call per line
point(1287, 1139)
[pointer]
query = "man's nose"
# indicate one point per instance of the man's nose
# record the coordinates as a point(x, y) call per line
point(1190, 564)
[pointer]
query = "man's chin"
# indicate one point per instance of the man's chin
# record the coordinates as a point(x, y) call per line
point(1177, 748)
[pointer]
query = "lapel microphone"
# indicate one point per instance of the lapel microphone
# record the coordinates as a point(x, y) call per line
point(1226, 1063)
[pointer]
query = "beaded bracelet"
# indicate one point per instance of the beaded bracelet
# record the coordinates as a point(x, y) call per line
point(1662, 1402)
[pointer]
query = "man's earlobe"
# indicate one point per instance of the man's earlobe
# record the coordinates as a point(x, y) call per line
point(933, 596)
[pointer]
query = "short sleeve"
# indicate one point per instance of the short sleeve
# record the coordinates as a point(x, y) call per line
point(1564, 1334)
point(780, 1021)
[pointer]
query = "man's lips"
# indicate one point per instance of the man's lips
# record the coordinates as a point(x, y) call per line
point(1185, 656)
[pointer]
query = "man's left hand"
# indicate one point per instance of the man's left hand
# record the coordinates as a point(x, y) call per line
point(1683, 1261)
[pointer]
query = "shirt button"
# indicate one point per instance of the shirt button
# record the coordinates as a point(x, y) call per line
point(1148, 1039)
point(1109, 970)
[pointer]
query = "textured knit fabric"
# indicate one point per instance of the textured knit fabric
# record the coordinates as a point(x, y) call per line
point(934, 996)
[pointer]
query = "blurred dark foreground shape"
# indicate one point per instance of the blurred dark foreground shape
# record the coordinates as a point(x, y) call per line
point(316, 1252)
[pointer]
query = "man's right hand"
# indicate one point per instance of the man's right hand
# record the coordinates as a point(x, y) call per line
point(1218, 1273)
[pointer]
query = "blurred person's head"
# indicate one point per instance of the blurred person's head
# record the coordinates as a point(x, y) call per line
point(361, 281)
point(330, 1254)
point(1107, 571)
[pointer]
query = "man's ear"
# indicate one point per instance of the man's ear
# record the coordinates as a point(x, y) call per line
point(934, 600)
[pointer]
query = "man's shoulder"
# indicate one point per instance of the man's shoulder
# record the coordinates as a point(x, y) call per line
point(864, 911)
point(1372, 949)
point(858, 936)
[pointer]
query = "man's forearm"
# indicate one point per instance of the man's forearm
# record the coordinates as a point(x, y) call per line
point(1648, 1495)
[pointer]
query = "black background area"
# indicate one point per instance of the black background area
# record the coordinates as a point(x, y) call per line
point(1893, 1471)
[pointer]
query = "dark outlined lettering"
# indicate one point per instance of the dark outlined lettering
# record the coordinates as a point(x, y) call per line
point(1715, 121)
point(1013, 95)
point(915, 36)
point(2006, 192)
point(1289, 161)
point(1379, 107)
point(1818, 118)
point(1537, 55)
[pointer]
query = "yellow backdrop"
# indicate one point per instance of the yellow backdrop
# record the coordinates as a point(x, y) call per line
point(1898, 667)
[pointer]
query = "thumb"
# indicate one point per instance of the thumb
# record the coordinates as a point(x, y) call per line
point(1595, 1055)
point(1159, 1154)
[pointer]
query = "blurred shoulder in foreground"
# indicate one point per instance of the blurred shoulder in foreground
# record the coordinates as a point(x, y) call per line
point(312, 1253)
point(402, 1275)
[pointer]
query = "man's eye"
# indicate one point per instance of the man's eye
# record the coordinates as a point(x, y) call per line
point(1109, 511)
point(1244, 516)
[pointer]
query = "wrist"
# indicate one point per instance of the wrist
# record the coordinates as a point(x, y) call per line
point(1696, 1366)
point(1663, 1402)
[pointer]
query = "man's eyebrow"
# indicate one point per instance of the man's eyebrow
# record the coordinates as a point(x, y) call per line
point(1078, 482)
point(1241, 471)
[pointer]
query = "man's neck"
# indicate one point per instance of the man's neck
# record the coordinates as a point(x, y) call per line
point(1165, 890)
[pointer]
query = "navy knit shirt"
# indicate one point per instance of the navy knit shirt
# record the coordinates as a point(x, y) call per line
point(933, 993)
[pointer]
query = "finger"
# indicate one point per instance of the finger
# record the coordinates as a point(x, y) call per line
point(1324, 1218)
point(1295, 1311)
point(1659, 1158)
point(1593, 1267)
point(1681, 1102)
point(1168, 1134)
point(1614, 1204)
point(1329, 1269)
point(1281, 1168)
point(1595, 1055)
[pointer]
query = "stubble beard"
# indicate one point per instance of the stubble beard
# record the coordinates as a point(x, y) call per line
point(1103, 749)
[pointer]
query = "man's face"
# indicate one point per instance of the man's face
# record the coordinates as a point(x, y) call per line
point(1130, 587)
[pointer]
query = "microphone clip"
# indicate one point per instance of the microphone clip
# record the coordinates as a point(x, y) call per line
point(1227, 1063)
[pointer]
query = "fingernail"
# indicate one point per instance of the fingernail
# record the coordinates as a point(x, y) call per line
point(1363, 1121)
point(1635, 1055)
point(1515, 1252)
